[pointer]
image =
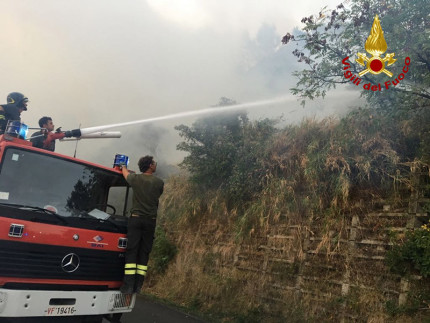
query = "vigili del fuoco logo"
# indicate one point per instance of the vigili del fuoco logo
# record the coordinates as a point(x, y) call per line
point(376, 46)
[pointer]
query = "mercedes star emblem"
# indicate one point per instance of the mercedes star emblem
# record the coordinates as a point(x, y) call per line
point(70, 262)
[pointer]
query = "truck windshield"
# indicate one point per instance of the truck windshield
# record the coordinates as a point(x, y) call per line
point(63, 186)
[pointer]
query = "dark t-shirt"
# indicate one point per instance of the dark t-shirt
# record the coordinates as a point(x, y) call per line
point(38, 139)
point(147, 190)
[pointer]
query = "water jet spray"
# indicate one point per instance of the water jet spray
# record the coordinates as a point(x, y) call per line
point(91, 130)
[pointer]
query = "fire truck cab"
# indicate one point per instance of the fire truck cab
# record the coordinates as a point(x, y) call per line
point(62, 235)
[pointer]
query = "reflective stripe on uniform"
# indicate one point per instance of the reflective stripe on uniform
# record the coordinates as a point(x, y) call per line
point(141, 272)
point(130, 272)
point(130, 266)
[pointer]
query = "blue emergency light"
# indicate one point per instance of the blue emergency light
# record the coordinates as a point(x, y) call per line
point(120, 160)
point(17, 129)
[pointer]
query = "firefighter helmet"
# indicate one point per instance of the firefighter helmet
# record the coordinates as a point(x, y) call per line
point(18, 99)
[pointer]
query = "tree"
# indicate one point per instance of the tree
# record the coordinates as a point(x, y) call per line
point(330, 37)
point(212, 146)
point(86, 192)
point(225, 151)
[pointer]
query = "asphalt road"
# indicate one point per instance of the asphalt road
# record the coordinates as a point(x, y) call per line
point(148, 311)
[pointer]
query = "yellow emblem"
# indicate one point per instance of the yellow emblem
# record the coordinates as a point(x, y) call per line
point(375, 45)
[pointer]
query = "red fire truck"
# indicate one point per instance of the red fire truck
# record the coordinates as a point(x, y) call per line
point(62, 235)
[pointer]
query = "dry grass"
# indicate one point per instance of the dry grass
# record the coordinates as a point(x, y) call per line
point(233, 259)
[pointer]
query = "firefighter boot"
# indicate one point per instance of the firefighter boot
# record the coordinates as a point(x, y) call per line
point(139, 283)
point(127, 286)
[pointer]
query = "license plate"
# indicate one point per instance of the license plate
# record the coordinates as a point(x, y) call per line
point(63, 310)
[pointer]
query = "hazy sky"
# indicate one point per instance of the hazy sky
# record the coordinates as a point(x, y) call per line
point(96, 62)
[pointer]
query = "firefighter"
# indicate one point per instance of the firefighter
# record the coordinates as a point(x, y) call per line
point(45, 138)
point(16, 103)
point(38, 138)
point(147, 190)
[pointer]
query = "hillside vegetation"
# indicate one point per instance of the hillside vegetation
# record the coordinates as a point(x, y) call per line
point(322, 221)
point(241, 221)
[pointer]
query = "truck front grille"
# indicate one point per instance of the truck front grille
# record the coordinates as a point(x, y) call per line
point(30, 260)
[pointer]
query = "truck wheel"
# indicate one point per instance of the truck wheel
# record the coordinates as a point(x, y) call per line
point(114, 318)
point(93, 319)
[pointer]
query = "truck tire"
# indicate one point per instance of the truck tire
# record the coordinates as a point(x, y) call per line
point(114, 318)
point(93, 319)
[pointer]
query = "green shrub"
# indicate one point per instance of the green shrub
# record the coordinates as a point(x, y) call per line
point(413, 255)
point(227, 152)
